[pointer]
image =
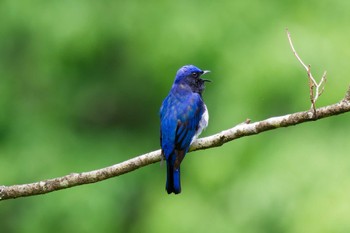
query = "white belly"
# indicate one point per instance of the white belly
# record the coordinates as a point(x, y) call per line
point(203, 123)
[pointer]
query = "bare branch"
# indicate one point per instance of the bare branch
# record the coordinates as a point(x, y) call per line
point(241, 130)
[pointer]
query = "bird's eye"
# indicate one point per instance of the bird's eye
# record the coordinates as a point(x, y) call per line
point(194, 75)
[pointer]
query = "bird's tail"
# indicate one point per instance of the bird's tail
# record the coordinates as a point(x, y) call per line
point(173, 179)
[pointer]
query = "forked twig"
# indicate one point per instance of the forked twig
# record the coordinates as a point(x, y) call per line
point(316, 89)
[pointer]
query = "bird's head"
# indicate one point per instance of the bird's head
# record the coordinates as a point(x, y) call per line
point(190, 76)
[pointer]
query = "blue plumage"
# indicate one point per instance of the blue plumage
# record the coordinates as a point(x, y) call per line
point(183, 116)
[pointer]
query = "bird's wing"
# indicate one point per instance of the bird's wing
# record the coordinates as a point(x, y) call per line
point(167, 126)
point(179, 123)
point(187, 125)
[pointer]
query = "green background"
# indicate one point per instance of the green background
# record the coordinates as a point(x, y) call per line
point(81, 83)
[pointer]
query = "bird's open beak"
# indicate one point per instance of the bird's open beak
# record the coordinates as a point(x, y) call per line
point(205, 72)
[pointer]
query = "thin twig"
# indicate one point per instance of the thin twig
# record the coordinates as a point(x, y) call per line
point(323, 81)
point(294, 51)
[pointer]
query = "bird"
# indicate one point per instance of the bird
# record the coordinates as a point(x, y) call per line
point(183, 117)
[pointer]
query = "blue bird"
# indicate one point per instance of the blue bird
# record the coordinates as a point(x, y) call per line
point(183, 116)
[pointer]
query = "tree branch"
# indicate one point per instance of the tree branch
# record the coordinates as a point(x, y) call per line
point(241, 130)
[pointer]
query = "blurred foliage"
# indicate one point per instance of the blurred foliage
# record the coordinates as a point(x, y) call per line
point(81, 83)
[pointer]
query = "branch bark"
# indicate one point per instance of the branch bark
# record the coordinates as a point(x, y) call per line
point(241, 130)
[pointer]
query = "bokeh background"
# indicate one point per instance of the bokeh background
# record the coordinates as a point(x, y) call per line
point(81, 83)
